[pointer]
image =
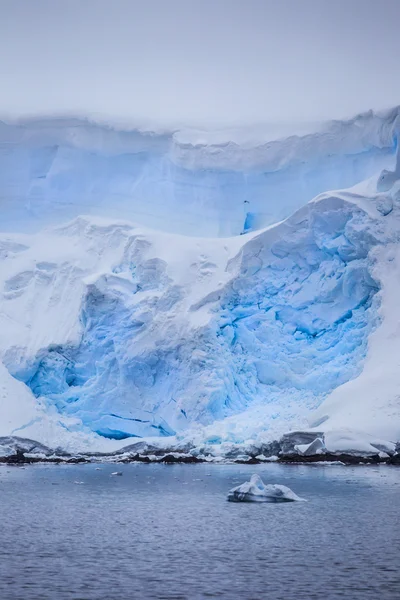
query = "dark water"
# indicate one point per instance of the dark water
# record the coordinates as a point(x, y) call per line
point(166, 531)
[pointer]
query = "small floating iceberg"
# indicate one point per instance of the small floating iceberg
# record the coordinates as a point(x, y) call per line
point(256, 491)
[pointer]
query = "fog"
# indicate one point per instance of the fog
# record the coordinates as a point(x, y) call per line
point(199, 62)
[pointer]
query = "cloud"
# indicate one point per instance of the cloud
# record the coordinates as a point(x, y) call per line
point(199, 61)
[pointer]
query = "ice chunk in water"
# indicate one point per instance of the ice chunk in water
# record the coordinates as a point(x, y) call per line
point(256, 491)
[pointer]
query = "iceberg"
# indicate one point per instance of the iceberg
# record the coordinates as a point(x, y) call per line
point(256, 491)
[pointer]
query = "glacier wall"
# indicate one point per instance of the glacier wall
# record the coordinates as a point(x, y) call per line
point(188, 182)
point(112, 330)
point(288, 326)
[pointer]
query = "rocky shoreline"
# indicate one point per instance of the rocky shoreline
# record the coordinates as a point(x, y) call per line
point(20, 451)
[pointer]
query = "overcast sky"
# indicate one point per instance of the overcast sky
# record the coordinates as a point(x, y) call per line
point(199, 61)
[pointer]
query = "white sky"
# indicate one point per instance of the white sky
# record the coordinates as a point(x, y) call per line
point(199, 61)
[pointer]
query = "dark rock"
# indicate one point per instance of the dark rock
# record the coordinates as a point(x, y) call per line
point(251, 461)
point(136, 458)
point(171, 459)
point(17, 458)
point(394, 460)
point(165, 458)
point(348, 459)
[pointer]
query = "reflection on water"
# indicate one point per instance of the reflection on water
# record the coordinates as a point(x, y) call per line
point(167, 532)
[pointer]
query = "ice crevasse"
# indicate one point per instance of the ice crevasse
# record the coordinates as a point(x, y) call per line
point(111, 329)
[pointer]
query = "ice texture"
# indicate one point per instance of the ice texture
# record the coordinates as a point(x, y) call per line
point(291, 321)
point(188, 182)
point(255, 490)
point(110, 330)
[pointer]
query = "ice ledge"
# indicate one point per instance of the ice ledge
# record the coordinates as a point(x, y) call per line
point(233, 149)
point(359, 134)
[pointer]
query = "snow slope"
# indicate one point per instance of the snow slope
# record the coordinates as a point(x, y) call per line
point(109, 329)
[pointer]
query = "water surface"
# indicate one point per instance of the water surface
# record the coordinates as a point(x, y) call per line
point(167, 532)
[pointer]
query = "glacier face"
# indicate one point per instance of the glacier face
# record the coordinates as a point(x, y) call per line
point(292, 319)
point(181, 182)
point(120, 331)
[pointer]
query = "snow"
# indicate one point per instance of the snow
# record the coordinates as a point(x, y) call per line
point(356, 442)
point(316, 447)
point(255, 490)
point(374, 397)
point(111, 330)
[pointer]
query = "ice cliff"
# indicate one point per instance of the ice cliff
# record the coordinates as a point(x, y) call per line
point(189, 182)
point(152, 316)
